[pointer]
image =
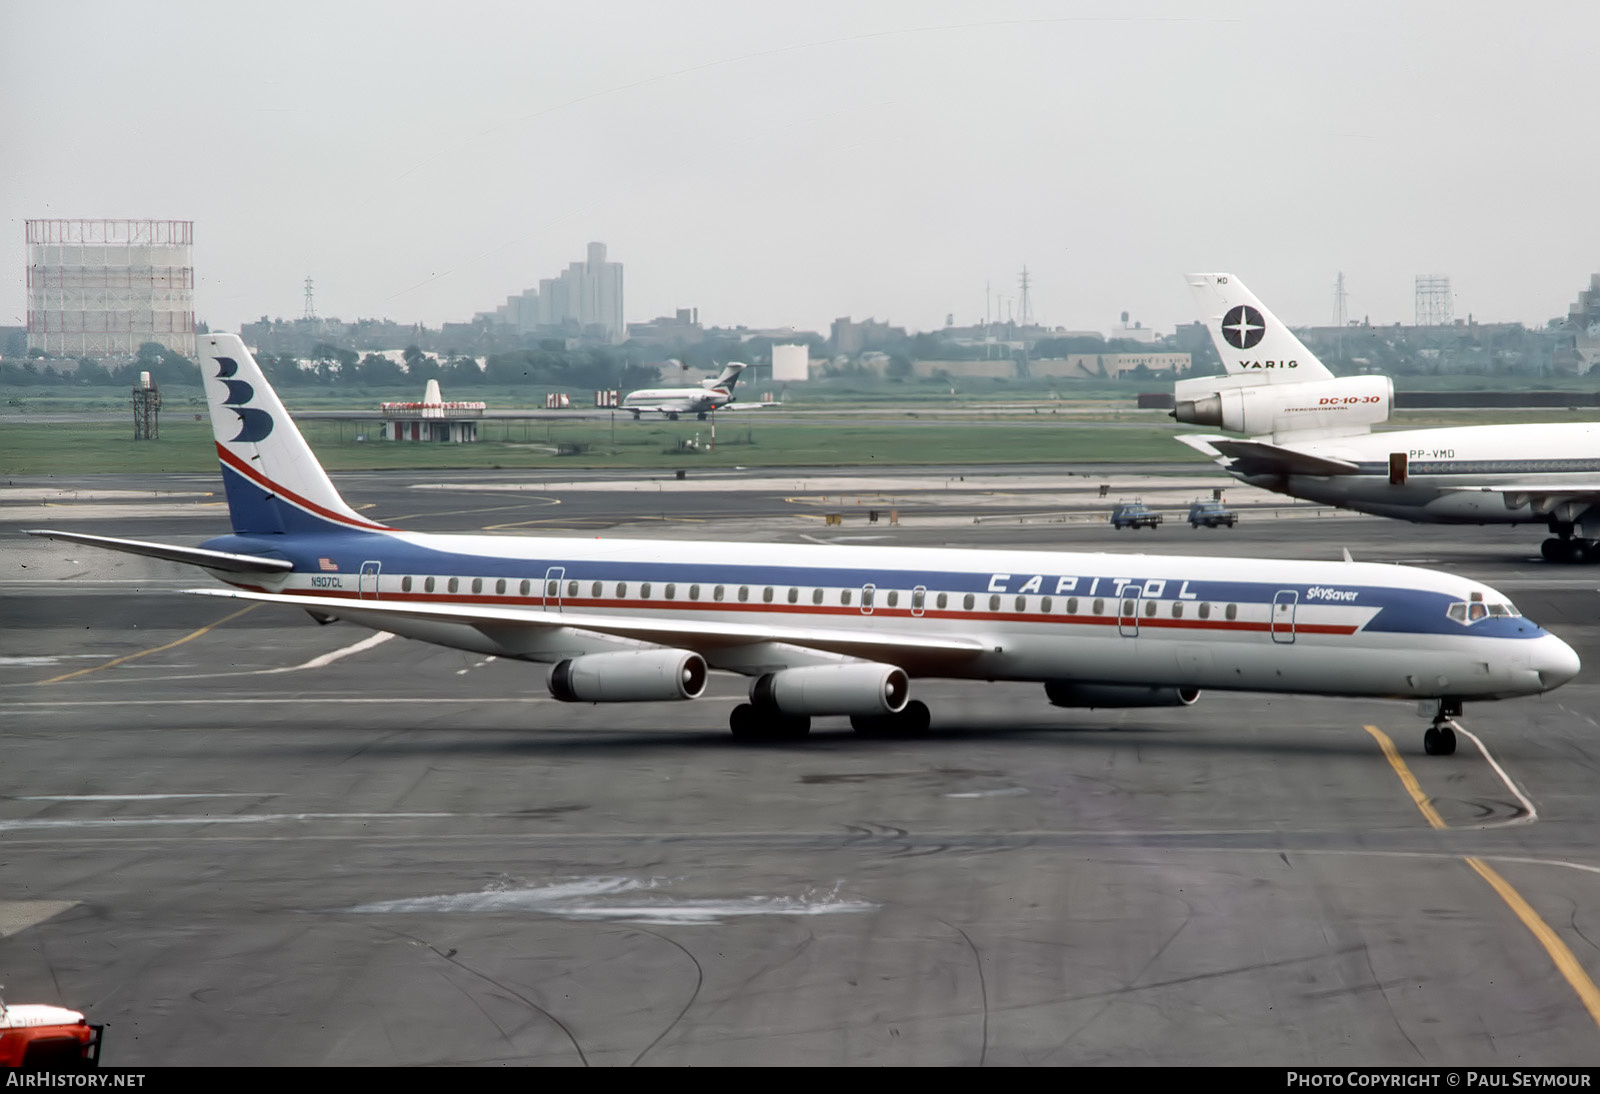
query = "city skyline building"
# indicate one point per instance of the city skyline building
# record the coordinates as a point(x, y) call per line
point(587, 295)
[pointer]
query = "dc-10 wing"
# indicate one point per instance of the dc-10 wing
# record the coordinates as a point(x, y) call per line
point(1542, 496)
point(698, 635)
point(194, 556)
point(1264, 458)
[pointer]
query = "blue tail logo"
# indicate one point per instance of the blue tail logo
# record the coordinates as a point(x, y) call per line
point(254, 425)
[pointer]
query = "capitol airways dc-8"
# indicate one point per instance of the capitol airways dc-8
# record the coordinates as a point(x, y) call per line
point(844, 630)
point(1311, 437)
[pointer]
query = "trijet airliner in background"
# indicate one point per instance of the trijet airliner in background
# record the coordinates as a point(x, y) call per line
point(713, 394)
point(845, 630)
point(1311, 437)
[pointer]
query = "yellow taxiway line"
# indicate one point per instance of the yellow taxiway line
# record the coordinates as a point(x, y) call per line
point(1565, 962)
point(146, 653)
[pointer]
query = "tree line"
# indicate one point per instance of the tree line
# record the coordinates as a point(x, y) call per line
point(334, 367)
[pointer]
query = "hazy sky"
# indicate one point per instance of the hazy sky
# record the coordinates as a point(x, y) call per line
point(780, 165)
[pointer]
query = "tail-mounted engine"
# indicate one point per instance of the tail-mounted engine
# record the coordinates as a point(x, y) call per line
point(1242, 404)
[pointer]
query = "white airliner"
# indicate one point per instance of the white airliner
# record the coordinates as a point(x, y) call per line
point(843, 630)
point(1312, 438)
point(713, 394)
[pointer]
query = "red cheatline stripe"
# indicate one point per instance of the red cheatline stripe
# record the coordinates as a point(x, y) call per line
point(289, 495)
point(577, 604)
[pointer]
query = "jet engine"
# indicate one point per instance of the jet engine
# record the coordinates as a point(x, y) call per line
point(867, 689)
point(1244, 405)
point(1067, 693)
point(629, 677)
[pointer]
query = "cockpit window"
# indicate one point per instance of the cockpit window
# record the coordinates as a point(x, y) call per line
point(1470, 612)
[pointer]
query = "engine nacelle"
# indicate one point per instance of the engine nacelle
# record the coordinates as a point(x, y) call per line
point(629, 677)
point(864, 689)
point(1239, 404)
point(1067, 693)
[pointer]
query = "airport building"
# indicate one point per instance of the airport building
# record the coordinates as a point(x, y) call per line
point(103, 288)
point(433, 419)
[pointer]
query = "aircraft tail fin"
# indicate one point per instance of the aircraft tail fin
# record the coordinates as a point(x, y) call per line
point(727, 377)
point(1250, 339)
point(274, 482)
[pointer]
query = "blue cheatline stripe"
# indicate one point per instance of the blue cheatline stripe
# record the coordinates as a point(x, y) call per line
point(1484, 467)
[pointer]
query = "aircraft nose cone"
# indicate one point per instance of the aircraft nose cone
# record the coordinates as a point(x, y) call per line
point(1555, 662)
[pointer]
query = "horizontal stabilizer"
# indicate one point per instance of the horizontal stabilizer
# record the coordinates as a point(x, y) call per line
point(1202, 443)
point(1261, 458)
point(694, 634)
point(194, 556)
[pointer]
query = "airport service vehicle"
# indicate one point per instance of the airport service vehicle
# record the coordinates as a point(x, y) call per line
point(844, 629)
point(1134, 514)
point(1311, 438)
point(713, 394)
point(46, 1038)
point(1212, 514)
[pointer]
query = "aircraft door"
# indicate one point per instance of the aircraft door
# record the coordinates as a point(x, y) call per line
point(866, 599)
point(552, 588)
point(1397, 468)
point(1282, 624)
point(367, 584)
point(1128, 611)
point(919, 599)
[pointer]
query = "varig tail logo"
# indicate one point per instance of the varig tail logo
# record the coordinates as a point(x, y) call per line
point(1243, 327)
point(254, 425)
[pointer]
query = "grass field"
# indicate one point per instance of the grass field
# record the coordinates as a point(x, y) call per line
point(87, 448)
point(767, 440)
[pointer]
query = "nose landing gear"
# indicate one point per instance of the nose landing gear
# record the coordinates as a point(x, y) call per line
point(1440, 738)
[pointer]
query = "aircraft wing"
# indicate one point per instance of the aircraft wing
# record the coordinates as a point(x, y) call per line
point(1542, 497)
point(1263, 458)
point(746, 406)
point(680, 633)
point(1565, 489)
point(195, 556)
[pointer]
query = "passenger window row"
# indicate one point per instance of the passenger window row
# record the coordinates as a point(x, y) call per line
point(553, 588)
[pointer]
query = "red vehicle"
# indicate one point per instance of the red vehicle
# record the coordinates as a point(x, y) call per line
point(46, 1038)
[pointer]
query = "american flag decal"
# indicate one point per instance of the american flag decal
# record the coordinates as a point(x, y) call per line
point(327, 564)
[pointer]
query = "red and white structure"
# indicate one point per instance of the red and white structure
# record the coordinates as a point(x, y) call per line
point(433, 419)
point(102, 288)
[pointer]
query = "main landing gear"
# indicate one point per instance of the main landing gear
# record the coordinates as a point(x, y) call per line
point(750, 722)
point(911, 721)
point(1440, 738)
point(1570, 550)
point(1563, 546)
